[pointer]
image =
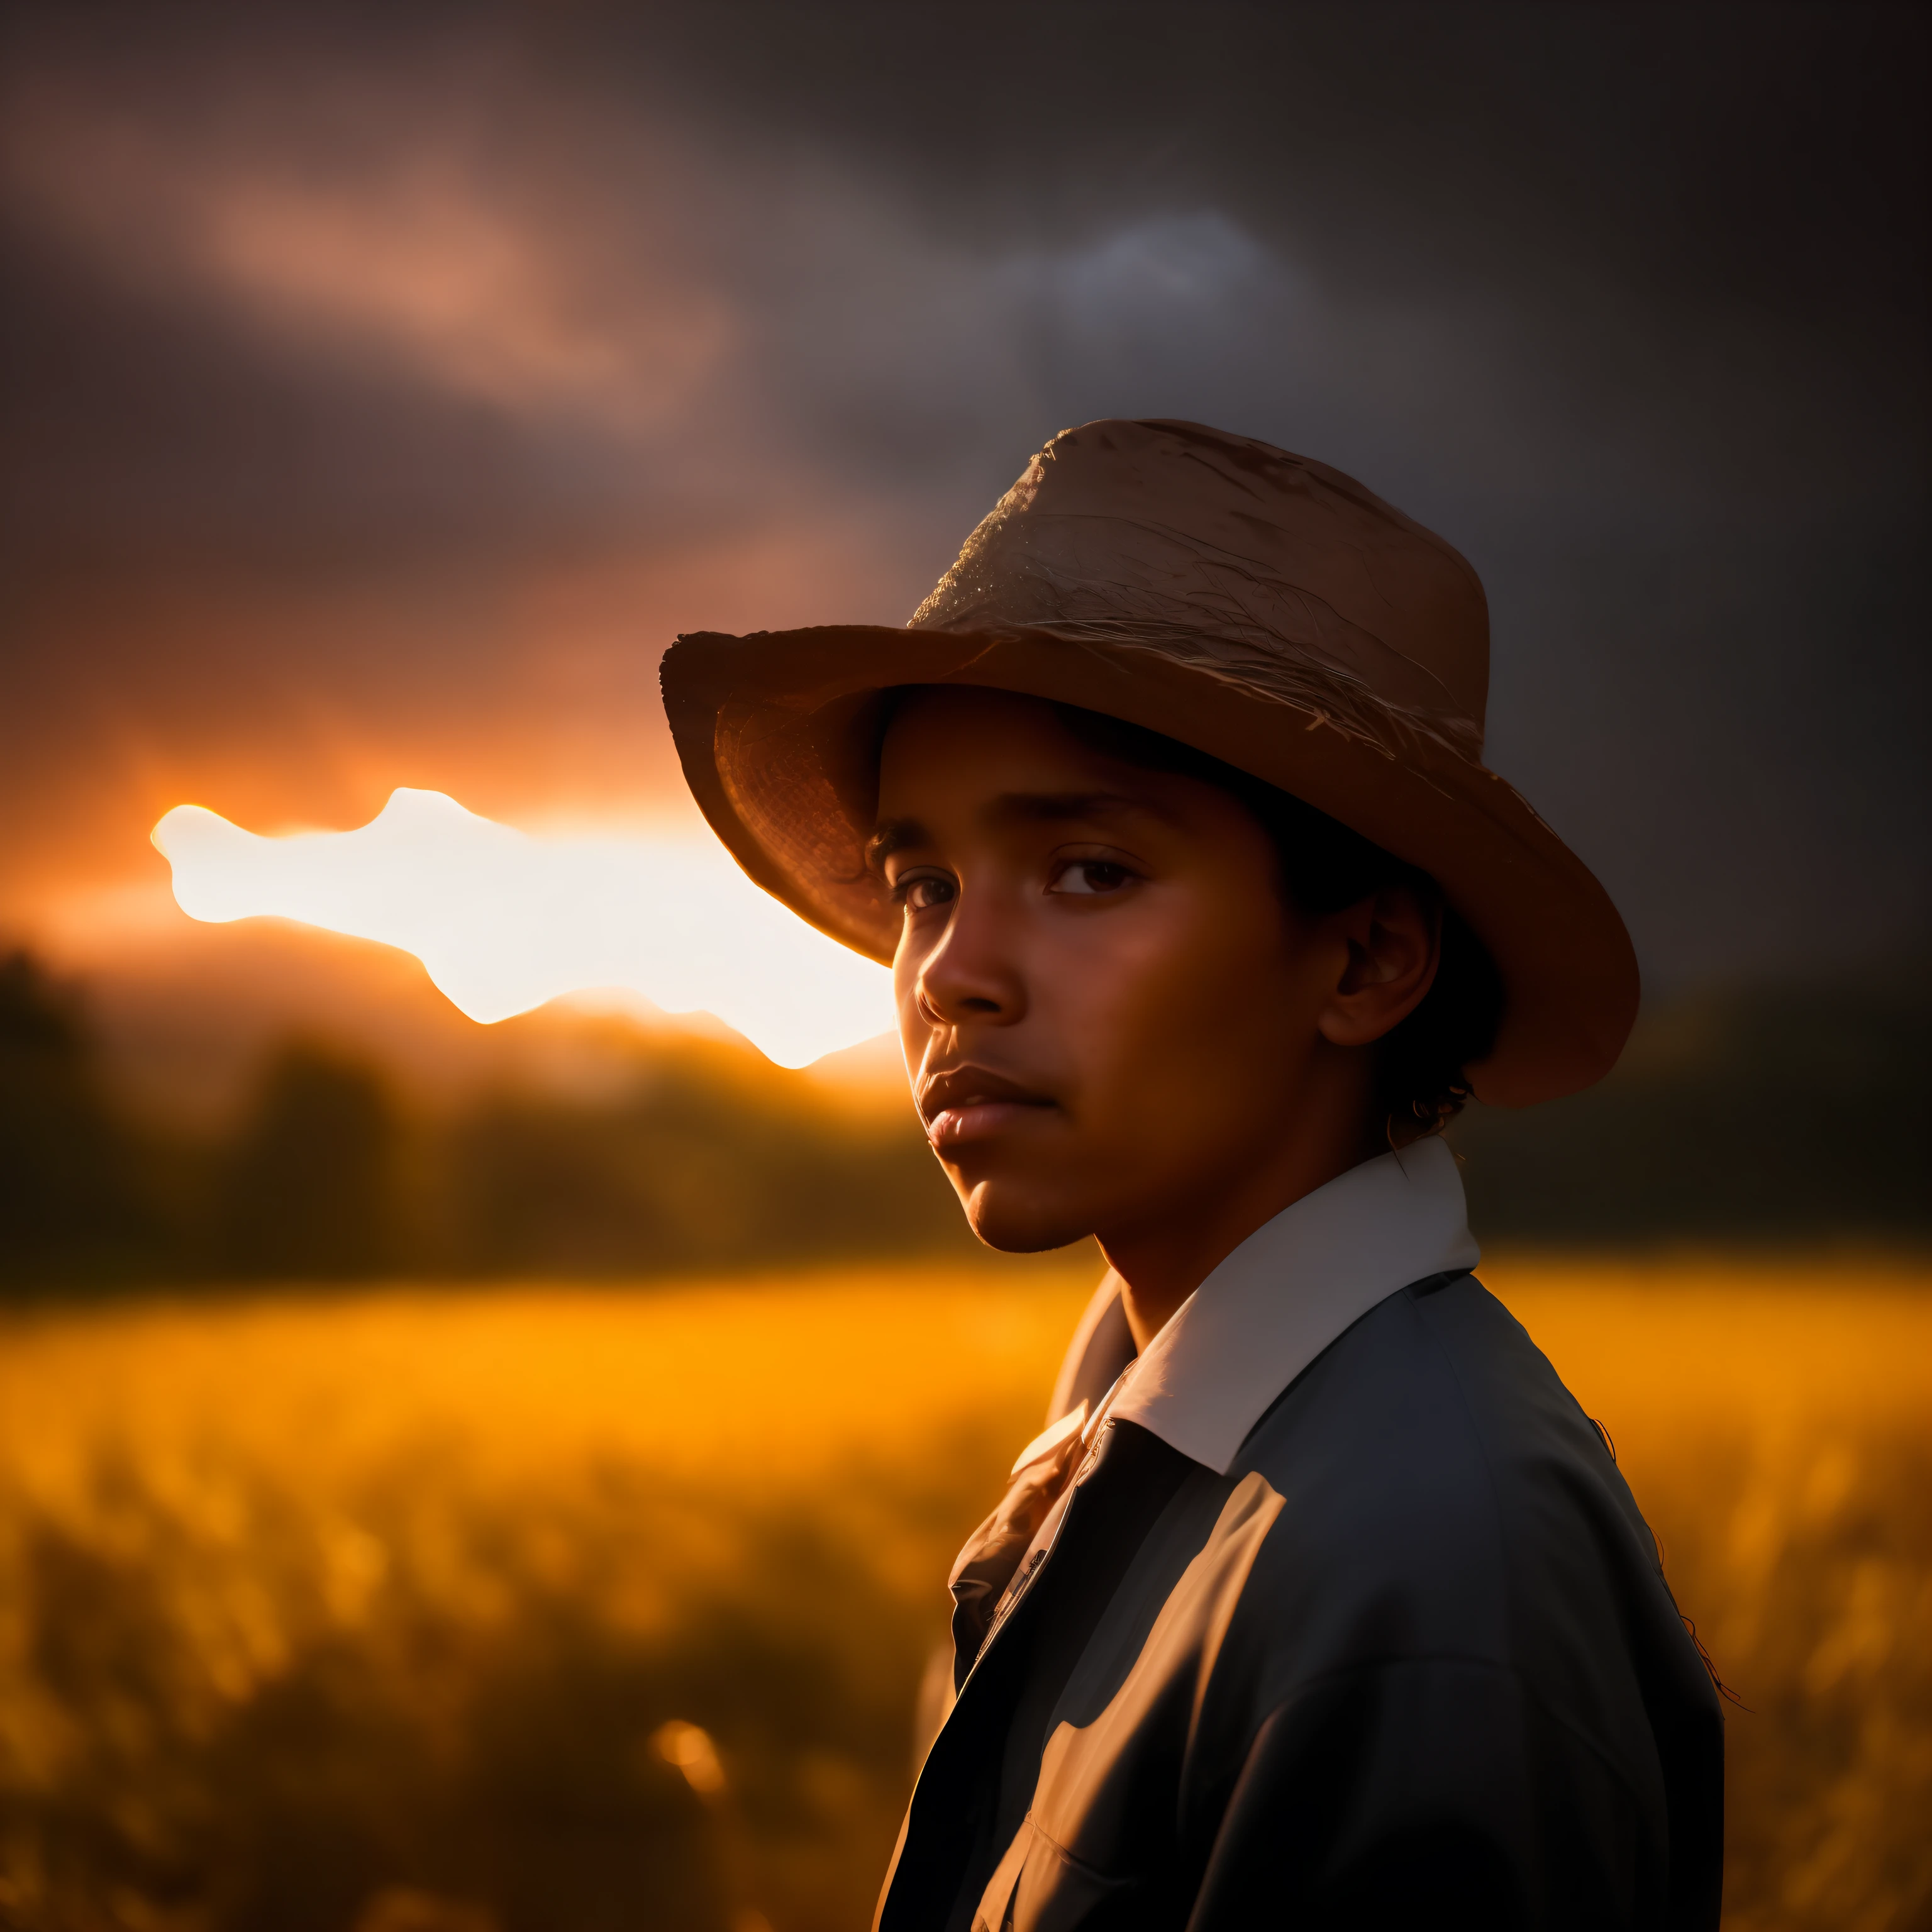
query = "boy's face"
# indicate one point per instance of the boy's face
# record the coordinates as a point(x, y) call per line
point(1110, 1015)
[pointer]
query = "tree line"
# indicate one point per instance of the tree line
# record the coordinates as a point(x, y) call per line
point(1759, 1114)
point(707, 1157)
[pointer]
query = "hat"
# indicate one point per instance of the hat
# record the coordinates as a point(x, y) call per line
point(1260, 606)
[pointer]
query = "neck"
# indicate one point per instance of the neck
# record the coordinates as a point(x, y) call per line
point(1162, 1261)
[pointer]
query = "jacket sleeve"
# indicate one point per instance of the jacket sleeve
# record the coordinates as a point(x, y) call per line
point(1427, 1792)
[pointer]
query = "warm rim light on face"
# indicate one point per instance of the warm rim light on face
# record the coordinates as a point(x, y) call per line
point(505, 922)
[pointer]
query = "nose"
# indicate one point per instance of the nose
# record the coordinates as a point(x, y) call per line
point(971, 972)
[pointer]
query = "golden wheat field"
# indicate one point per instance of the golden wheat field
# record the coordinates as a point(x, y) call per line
point(557, 1610)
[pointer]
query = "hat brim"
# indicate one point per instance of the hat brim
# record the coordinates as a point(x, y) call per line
point(779, 734)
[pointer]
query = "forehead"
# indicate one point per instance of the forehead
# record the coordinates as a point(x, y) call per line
point(959, 764)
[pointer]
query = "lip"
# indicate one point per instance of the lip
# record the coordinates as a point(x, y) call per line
point(971, 1103)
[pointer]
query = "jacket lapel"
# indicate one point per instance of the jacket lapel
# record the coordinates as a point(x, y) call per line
point(1104, 1516)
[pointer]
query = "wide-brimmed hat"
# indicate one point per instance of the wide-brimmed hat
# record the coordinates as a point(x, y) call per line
point(1258, 606)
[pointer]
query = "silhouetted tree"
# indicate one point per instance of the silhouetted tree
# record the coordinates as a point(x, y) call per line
point(66, 1201)
point(1763, 1112)
point(312, 1184)
point(711, 1160)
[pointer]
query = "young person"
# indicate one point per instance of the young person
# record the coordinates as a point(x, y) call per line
point(1320, 1602)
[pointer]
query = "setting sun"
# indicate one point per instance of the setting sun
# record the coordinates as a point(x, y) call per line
point(505, 921)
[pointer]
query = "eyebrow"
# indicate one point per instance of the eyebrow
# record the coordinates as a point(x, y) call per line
point(894, 834)
point(1023, 807)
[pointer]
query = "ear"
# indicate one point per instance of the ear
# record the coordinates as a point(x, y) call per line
point(1392, 940)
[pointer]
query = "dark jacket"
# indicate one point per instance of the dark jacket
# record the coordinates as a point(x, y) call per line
point(1410, 1661)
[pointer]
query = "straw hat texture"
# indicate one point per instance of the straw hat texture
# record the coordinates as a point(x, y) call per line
point(1258, 606)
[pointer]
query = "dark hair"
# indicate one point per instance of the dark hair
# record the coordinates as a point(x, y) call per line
point(1421, 1081)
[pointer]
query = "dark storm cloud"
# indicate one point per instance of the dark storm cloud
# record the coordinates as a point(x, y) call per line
point(1628, 300)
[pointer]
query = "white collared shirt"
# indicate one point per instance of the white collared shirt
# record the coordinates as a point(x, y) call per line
point(1275, 1303)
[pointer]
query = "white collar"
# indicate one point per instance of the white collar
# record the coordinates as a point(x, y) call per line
point(1281, 1298)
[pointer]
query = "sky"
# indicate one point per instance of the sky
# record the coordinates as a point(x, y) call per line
point(503, 923)
point(386, 387)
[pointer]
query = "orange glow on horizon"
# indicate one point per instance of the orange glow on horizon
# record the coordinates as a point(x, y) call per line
point(505, 922)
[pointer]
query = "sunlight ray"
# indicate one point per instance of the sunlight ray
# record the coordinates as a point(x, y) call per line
point(505, 921)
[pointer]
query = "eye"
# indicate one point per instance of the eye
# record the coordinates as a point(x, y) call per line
point(924, 890)
point(1085, 877)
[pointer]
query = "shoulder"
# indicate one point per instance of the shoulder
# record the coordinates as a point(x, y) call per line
point(1435, 1406)
point(1444, 1497)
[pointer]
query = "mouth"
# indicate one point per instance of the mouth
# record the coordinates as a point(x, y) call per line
point(968, 1103)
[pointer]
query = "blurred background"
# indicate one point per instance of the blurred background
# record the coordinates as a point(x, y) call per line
point(463, 1476)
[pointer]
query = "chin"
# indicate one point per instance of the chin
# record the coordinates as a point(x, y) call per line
point(1017, 1220)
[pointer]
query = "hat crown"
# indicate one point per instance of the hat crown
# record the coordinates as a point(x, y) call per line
point(1261, 608)
point(1261, 565)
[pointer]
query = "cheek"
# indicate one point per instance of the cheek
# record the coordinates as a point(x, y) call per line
point(1183, 1008)
point(905, 980)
